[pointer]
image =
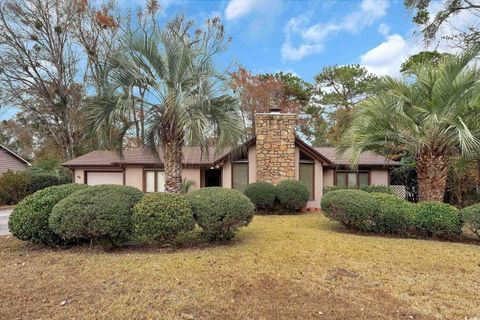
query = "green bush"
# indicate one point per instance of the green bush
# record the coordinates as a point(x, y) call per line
point(262, 195)
point(366, 188)
point(292, 194)
point(29, 220)
point(438, 220)
point(13, 187)
point(355, 209)
point(41, 181)
point(394, 215)
point(220, 211)
point(161, 216)
point(100, 213)
point(471, 218)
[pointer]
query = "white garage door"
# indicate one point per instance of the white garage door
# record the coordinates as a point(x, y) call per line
point(95, 178)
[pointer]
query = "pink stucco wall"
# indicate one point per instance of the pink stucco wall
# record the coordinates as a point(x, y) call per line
point(134, 176)
point(78, 175)
point(328, 179)
point(193, 174)
point(379, 177)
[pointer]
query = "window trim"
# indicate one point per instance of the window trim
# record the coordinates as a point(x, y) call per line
point(155, 182)
point(232, 175)
point(312, 164)
point(335, 182)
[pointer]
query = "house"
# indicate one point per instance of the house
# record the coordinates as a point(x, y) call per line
point(273, 155)
point(9, 160)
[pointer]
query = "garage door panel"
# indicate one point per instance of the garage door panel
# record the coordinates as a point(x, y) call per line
point(96, 178)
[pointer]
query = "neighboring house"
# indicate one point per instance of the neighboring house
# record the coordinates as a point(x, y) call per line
point(9, 160)
point(273, 155)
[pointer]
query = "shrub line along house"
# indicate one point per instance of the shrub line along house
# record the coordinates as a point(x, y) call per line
point(274, 154)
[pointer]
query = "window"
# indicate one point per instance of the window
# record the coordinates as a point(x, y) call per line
point(363, 179)
point(239, 176)
point(154, 181)
point(341, 179)
point(352, 179)
point(307, 176)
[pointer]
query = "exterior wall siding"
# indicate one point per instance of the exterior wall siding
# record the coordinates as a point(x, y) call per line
point(193, 174)
point(79, 176)
point(9, 162)
point(318, 185)
point(328, 179)
point(227, 175)
point(134, 176)
point(379, 177)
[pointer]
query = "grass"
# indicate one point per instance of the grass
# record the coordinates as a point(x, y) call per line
point(280, 267)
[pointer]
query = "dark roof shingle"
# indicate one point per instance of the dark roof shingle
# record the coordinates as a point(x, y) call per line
point(191, 155)
point(366, 158)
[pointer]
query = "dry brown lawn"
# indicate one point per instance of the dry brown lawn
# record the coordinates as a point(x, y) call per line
point(280, 267)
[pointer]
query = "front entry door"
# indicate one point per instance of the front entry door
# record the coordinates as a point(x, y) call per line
point(213, 178)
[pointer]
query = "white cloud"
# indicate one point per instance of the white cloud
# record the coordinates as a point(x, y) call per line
point(312, 37)
point(290, 52)
point(386, 58)
point(383, 29)
point(238, 8)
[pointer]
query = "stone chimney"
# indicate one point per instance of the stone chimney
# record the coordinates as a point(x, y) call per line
point(275, 150)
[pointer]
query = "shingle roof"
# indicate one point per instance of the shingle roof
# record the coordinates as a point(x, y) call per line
point(366, 158)
point(194, 156)
point(191, 155)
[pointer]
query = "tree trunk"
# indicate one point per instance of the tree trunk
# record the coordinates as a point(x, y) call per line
point(172, 161)
point(432, 171)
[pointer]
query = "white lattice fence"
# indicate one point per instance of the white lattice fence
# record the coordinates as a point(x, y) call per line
point(399, 190)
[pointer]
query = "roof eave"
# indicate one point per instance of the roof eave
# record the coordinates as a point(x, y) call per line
point(15, 155)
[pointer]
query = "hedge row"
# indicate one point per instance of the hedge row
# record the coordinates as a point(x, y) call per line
point(367, 188)
point(287, 196)
point(113, 215)
point(389, 214)
point(16, 185)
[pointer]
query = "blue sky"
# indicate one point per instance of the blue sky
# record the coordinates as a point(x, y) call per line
point(302, 37)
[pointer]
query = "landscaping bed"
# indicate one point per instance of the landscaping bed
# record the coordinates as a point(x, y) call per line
point(279, 267)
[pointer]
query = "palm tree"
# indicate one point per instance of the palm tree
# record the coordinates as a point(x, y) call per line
point(170, 73)
point(434, 115)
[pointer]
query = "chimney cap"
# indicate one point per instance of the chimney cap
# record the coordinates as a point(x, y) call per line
point(274, 110)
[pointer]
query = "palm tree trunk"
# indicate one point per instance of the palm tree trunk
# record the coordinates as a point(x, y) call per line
point(172, 161)
point(432, 171)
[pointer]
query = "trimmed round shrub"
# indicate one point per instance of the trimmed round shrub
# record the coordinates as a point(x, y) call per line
point(355, 209)
point(394, 215)
point(438, 220)
point(262, 195)
point(161, 216)
point(292, 194)
point(471, 218)
point(100, 213)
point(29, 219)
point(220, 211)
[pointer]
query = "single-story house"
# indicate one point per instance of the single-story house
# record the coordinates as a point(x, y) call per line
point(9, 160)
point(274, 154)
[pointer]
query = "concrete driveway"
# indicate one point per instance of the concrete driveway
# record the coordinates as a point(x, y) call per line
point(4, 214)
